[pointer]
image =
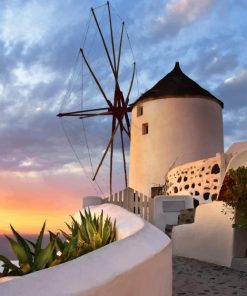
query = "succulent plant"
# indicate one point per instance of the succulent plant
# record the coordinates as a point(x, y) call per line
point(30, 255)
point(91, 233)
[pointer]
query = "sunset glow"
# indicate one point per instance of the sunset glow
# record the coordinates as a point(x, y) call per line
point(26, 202)
point(28, 221)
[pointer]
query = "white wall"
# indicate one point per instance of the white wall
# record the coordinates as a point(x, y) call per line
point(210, 238)
point(237, 147)
point(238, 160)
point(180, 129)
point(137, 265)
point(199, 178)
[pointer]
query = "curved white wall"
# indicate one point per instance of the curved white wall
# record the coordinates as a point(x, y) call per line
point(237, 161)
point(237, 147)
point(180, 129)
point(210, 238)
point(140, 264)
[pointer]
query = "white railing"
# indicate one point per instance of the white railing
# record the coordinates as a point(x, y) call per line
point(133, 201)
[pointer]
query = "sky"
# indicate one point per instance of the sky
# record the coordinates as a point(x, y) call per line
point(40, 177)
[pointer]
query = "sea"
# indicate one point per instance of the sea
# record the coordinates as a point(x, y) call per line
point(6, 251)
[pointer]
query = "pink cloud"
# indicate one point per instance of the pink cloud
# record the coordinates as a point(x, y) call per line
point(179, 14)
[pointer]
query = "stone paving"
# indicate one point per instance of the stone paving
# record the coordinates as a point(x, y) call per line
point(193, 277)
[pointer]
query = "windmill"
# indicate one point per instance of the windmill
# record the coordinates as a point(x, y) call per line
point(116, 107)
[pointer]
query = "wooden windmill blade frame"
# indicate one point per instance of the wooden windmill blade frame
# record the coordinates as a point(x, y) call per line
point(119, 108)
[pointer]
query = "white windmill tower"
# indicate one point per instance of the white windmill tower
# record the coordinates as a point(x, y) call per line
point(176, 121)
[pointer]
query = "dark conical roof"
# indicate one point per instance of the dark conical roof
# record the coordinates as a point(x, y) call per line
point(177, 84)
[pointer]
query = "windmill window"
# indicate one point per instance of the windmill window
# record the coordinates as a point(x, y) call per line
point(139, 111)
point(145, 128)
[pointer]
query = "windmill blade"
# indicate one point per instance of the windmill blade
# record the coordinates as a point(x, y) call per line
point(113, 128)
point(95, 79)
point(78, 113)
point(124, 129)
point(103, 41)
point(120, 49)
point(107, 148)
point(94, 114)
point(131, 83)
point(111, 152)
point(112, 39)
point(122, 104)
point(127, 98)
point(124, 159)
point(105, 46)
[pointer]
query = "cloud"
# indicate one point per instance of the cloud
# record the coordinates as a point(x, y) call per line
point(179, 14)
point(39, 42)
point(33, 27)
point(211, 61)
point(233, 90)
point(235, 125)
point(38, 73)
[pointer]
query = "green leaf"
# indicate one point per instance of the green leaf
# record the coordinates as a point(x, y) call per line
point(70, 228)
point(88, 215)
point(90, 231)
point(75, 226)
point(21, 241)
point(38, 244)
point(18, 250)
point(66, 235)
point(31, 243)
point(60, 244)
point(95, 220)
point(10, 265)
point(106, 234)
point(98, 241)
point(80, 240)
point(101, 223)
point(52, 235)
point(44, 256)
point(84, 233)
point(70, 249)
point(83, 219)
point(113, 232)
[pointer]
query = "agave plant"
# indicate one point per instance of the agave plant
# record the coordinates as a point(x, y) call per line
point(30, 255)
point(91, 233)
